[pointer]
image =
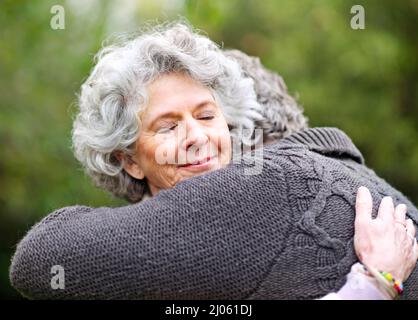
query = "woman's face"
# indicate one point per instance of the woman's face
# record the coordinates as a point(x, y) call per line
point(183, 133)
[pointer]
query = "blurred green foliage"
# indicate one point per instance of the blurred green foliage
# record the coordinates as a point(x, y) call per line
point(362, 81)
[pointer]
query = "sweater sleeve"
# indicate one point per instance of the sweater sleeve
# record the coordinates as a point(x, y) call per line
point(199, 240)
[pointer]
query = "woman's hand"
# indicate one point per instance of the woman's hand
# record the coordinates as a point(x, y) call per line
point(388, 242)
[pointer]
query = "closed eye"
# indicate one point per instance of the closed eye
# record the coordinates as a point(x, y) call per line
point(206, 118)
point(167, 129)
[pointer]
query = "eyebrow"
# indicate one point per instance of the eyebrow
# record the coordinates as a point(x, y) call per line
point(173, 113)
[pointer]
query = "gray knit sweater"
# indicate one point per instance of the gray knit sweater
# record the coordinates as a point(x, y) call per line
point(286, 233)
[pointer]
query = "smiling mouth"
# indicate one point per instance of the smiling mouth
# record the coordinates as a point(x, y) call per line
point(207, 159)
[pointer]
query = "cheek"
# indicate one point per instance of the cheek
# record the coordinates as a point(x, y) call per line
point(147, 150)
point(159, 150)
point(222, 138)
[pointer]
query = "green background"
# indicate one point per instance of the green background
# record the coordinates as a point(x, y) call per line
point(362, 81)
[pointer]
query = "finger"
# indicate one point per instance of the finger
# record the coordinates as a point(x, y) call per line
point(410, 228)
point(386, 210)
point(400, 214)
point(364, 206)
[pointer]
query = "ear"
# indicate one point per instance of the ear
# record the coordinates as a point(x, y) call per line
point(130, 166)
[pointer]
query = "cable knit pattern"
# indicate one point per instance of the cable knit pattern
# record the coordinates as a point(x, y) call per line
point(286, 233)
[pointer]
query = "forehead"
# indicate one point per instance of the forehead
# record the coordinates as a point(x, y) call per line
point(175, 93)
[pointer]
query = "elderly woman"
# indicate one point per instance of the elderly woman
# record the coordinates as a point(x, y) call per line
point(164, 116)
point(141, 93)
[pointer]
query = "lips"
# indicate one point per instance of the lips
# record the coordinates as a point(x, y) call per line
point(204, 160)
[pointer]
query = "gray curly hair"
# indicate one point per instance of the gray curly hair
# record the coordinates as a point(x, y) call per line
point(113, 97)
point(281, 114)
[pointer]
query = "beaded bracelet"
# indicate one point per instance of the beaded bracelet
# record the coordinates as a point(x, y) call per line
point(386, 281)
point(394, 283)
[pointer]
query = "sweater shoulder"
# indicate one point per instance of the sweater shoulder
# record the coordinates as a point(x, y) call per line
point(64, 213)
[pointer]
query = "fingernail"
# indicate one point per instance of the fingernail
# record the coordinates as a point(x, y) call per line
point(362, 191)
point(387, 199)
point(403, 207)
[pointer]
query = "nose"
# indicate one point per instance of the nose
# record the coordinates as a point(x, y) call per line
point(194, 134)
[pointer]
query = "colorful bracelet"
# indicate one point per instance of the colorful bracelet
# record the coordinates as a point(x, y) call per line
point(387, 282)
point(394, 283)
